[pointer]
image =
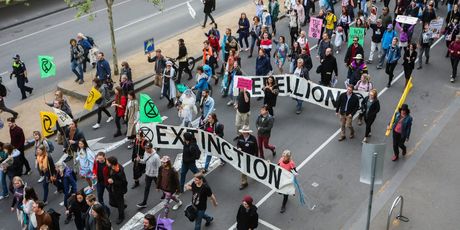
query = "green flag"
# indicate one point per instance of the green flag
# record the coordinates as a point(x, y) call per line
point(356, 32)
point(148, 110)
point(47, 66)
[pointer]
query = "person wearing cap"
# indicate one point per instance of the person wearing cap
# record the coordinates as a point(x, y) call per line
point(160, 65)
point(190, 153)
point(20, 72)
point(246, 143)
point(264, 125)
point(247, 217)
point(182, 59)
point(387, 38)
point(168, 88)
point(454, 52)
point(209, 6)
point(392, 57)
point(168, 183)
point(288, 164)
point(402, 125)
point(152, 163)
point(357, 68)
point(353, 50)
point(377, 35)
point(347, 106)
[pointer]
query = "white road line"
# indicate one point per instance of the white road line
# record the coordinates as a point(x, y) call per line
point(271, 226)
point(1, 74)
point(62, 23)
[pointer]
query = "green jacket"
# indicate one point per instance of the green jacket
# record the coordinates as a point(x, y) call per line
point(274, 10)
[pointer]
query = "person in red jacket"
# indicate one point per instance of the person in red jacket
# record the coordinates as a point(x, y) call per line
point(120, 106)
point(101, 174)
point(454, 51)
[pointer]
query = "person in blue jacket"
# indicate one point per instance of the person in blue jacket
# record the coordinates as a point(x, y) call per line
point(263, 65)
point(387, 38)
point(203, 75)
point(401, 127)
point(392, 57)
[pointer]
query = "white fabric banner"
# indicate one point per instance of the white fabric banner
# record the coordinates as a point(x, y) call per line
point(63, 118)
point(269, 174)
point(299, 88)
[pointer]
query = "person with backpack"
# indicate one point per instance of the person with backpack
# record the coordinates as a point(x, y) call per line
point(152, 163)
point(212, 125)
point(102, 102)
point(37, 141)
point(77, 59)
point(190, 154)
point(117, 186)
point(3, 93)
point(87, 43)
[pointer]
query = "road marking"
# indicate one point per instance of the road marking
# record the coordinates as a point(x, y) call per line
point(1, 74)
point(62, 23)
point(271, 226)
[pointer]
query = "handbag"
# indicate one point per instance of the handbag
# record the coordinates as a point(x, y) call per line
point(191, 212)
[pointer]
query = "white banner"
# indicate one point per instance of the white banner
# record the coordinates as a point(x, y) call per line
point(299, 88)
point(269, 174)
point(406, 19)
point(63, 118)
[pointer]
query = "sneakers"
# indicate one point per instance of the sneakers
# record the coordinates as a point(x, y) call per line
point(209, 222)
point(394, 158)
point(4, 197)
point(176, 206)
point(110, 119)
point(360, 122)
point(96, 126)
point(365, 140)
point(452, 79)
point(342, 138)
point(298, 112)
point(369, 62)
point(142, 205)
point(230, 103)
point(379, 67)
point(81, 82)
point(283, 209)
point(41, 179)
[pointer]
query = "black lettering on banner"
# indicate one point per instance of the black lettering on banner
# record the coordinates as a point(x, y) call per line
point(281, 84)
point(256, 86)
point(229, 147)
point(313, 92)
point(203, 139)
point(239, 154)
point(307, 93)
point(147, 133)
point(274, 175)
point(288, 84)
point(160, 134)
point(248, 162)
point(47, 124)
point(178, 135)
point(256, 169)
point(193, 131)
point(296, 87)
point(214, 143)
point(331, 97)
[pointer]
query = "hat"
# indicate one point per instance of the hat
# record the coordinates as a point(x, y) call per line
point(188, 136)
point(245, 129)
point(390, 26)
point(165, 159)
point(248, 199)
point(16, 57)
point(169, 63)
point(358, 56)
point(405, 107)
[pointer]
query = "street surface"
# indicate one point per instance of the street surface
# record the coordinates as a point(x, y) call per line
point(328, 169)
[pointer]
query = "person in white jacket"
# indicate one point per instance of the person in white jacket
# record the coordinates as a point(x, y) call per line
point(168, 89)
point(85, 158)
point(152, 163)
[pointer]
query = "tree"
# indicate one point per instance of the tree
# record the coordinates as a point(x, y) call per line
point(86, 7)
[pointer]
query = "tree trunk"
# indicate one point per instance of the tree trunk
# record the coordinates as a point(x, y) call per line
point(112, 37)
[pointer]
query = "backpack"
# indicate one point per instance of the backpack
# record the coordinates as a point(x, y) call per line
point(50, 145)
point(90, 40)
point(54, 219)
point(197, 152)
point(2, 90)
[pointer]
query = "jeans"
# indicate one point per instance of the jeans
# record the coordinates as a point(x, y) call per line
point(3, 182)
point(201, 214)
point(100, 187)
point(183, 172)
point(99, 113)
point(78, 73)
point(390, 68)
point(148, 184)
point(241, 37)
point(398, 142)
point(208, 160)
point(382, 56)
point(425, 50)
point(454, 63)
point(69, 182)
point(299, 104)
point(253, 43)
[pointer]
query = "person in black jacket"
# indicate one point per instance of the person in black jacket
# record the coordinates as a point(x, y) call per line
point(347, 106)
point(247, 217)
point(117, 186)
point(264, 124)
point(77, 208)
point(246, 143)
point(409, 61)
point(182, 59)
point(190, 154)
point(369, 109)
point(72, 135)
point(138, 152)
point(353, 50)
point(328, 67)
point(270, 94)
point(209, 6)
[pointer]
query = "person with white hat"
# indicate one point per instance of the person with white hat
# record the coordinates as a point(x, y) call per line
point(168, 183)
point(353, 50)
point(247, 143)
point(168, 89)
point(356, 68)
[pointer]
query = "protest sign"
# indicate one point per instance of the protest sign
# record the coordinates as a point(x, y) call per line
point(406, 19)
point(148, 111)
point(149, 46)
point(93, 96)
point(314, 29)
point(46, 66)
point(243, 83)
point(62, 118)
point(436, 27)
point(269, 174)
point(48, 121)
point(299, 88)
point(356, 32)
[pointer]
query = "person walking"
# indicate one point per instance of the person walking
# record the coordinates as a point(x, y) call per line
point(152, 163)
point(126, 71)
point(243, 31)
point(120, 108)
point(212, 125)
point(102, 222)
point(47, 168)
point(168, 88)
point(356, 69)
point(138, 153)
point(392, 57)
point(190, 154)
point(281, 53)
point(328, 68)
point(11, 167)
point(88, 44)
point(3, 93)
point(352, 51)
point(274, 8)
point(347, 106)
point(73, 135)
point(377, 34)
point(77, 208)
point(20, 72)
point(271, 91)
point(364, 84)
point(132, 117)
point(401, 127)
point(409, 61)
point(183, 63)
point(30, 197)
point(85, 158)
point(247, 217)
point(77, 57)
point(454, 52)
point(103, 71)
point(426, 39)
point(324, 44)
point(37, 141)
point(287, 163)
point(255, 31)
point(159, 67)
point(302, 72)
point(168, 183)
point(17, 139)
point(101, 175)
point(264, 125)
point(370, 106)
point(43, 218)
point(247, 143)
point(102, 102)
point(387, 39)
point(209, 7)
point(243, 110)
point(67, 177)
point(117, 187)
point(200, 193)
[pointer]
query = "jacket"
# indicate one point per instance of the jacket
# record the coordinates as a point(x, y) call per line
point(207, 106)
point(329, 65)
point(243, 27)
point(387, 38)
point(355, 71)
point(248, 146)
point(247, 219)
point(428, 15)
point(406, 125)
point(373, 109)
point(263, 65)
point(274, 10)
point(105, 171)
point(303, 73)
point(120, 111)
point(353, 104)
point(76, 137)
point(182, 53)
point(393, 54)
point(14, 164)
point(118, 188)
point(270, 97)
point(404, 35)
point(172, 180)
point(264, 125)
point(209, 6)
point(190, 150)
point(411, 62)
point(77, 53)
point(160, 63)
point(103, 71)
point(152, 163)
point(348, 56)
point(454, 49)
point(17, 138)
point(127, 72)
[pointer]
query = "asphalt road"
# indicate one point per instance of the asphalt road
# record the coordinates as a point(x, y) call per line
point(134, 22)
point(328, 169)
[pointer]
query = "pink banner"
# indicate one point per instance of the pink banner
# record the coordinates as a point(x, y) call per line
point(244, 83)
point(314, 30)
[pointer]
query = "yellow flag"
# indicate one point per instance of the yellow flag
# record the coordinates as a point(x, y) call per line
point(400, 103)
point(48, 120)
point(93, 96)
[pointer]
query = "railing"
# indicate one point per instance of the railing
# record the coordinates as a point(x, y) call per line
point(400, 216)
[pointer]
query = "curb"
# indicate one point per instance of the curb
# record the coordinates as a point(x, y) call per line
point(35, 18)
